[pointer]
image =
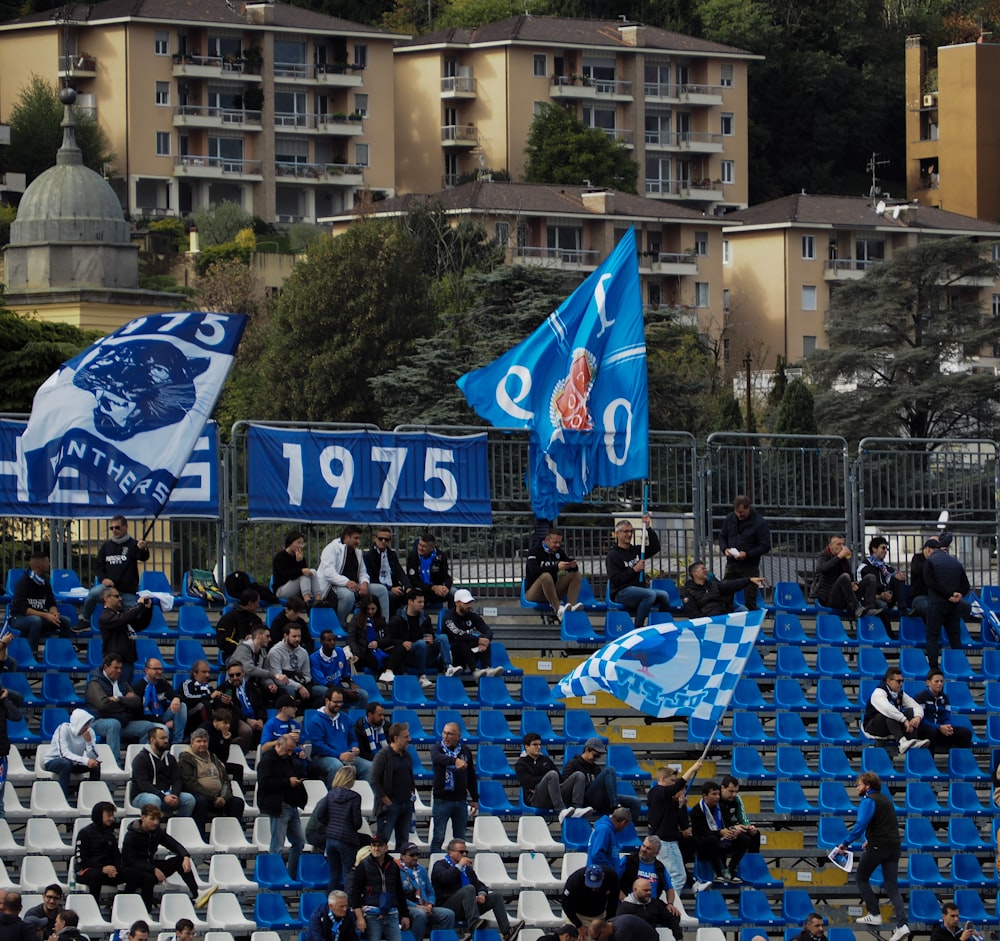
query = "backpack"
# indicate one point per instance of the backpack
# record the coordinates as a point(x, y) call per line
point(238, 582)
point(200, 583)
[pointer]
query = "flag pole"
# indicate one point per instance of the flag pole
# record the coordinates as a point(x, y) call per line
point(645, 510)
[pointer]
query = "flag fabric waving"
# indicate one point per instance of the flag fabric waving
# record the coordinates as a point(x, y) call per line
point(688, 669)
point(579, 384)
point(115, 425)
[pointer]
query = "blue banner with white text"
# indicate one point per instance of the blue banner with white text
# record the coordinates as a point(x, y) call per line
point(368, 477)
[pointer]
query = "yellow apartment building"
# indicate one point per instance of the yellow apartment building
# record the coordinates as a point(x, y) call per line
point(952, 134)
point(465, 99)
point(574, 229)
point(784, 258)
point(285, 111)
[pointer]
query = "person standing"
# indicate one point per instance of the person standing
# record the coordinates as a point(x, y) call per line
point(664, 818)
point(281, 794)
point(947, 586)
point(744, 539)
point(394, 786)
point(377, 897)
point(878, 825)
point(117, 565)
point(456, 789)
point(340, 815)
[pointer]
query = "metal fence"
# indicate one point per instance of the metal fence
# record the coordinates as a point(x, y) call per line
point(807, 487)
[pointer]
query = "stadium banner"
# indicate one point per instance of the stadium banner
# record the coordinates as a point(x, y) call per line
point(368, 477)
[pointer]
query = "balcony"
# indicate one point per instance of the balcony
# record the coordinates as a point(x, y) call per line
point(846, 269)
point(195, 66)
point(348, 125)
point(679, 263)
point(693, 142)
point(567, 259)
point(685, 190)
point(342, 174)
point(450, 180)
point(340, 76)
point(689, 94)
point(458, 86)
point(459, 135)
point(80, 65)
point(621, 135)
point(574, 88)
point(214, 168)
point(200, 116)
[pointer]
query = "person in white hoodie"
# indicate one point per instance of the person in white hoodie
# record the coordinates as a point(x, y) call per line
point(73, 751)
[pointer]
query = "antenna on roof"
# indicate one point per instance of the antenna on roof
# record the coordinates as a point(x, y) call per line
point(872, 167)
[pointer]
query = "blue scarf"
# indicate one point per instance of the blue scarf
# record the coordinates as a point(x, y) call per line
point(151, 702)
point(245, 705)
point(36, 578)
point(462, 870)
point(425, 567)
point(449, 773)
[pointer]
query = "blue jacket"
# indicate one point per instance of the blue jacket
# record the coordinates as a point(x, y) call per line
point(330, 735)
point(602, 850)
point(415, 878)
point(331, 672)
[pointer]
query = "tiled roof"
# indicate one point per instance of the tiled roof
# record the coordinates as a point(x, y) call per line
point(571, 32)
point(855, 212)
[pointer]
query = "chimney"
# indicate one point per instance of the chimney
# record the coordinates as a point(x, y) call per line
point(633, 34)
point(260, 13)
point(599, 201)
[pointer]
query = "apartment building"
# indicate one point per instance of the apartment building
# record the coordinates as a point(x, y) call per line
point(466, 98)
point(784, 258)
point(952, 135)
point(285, 111)
point(574, 229)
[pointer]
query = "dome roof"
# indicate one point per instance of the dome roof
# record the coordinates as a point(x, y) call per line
point(69, 202)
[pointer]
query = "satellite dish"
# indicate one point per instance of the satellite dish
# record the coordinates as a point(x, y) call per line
point(880, 208)
point(895, 212)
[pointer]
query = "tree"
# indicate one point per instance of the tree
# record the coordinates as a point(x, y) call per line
point(795, 415)
point(221, 223)
point(901, 340)
point(36, 133)
point(561, 150)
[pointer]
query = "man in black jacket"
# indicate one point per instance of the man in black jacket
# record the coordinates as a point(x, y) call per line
point(117, 565)
point(744, 540)
point(393, 784)
point(457, 887)
point(626, 568)
point(384, 568)
point(551, 575)
point(413, 642)
point(33, 609)
point(539, 779)
point(833, 582)
point(238, 623)
point(651, 909)
point(12, 928)
point(950, 927)
point(947, 586)
point(119, 626)
point(377, 893)
point(370, 731)
point(456, 788)
point(281, 794)
point(427, 569)
point(156, 778)
point(704, 596)
point(588, 894)
point(601, 791)
point(98, 861)
point(143, 868)
point(160, 701)
point(664, 818)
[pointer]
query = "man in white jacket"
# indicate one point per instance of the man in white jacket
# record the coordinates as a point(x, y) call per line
point(893, 715)
point(73, 751)
point(343, 576)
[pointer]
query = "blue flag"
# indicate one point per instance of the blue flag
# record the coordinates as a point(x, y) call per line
point(578, 383)
point(688, 669)
point(115, 425)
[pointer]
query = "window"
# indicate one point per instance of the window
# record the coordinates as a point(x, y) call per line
point(996, 305)
point(163, 143)
point(501, 233)
point(701, 243)
point(361, 155)
point(541, 65)
point(868, 252)
point(809, 247)
point(728, 172)
point(728, 124)
point(361, 105)
point(163, 93)
point(361, 57)
point(996, 252)
point(726, 77)
point(701, 294)
point(655, 294)
point(808, 345)
point(808, 296)
point(161, 42)
point(603, 118)
point(725, 301)
point(727, 257)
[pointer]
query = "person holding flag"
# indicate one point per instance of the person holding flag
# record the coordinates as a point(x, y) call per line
point(626, 568)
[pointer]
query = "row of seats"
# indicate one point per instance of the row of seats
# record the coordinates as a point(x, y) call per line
point(67, 586)
point(960, 798)
point(830, 630)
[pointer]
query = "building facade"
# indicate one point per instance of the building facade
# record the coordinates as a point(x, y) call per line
point(466, 99)
point(285, 111)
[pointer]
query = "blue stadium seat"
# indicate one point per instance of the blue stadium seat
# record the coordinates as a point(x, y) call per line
point(25, 657)
point(587, 597)
point(912, 631)
point(963, 834)
point(919, 834)
point(18, 683)
point(788, 695)
point(187, 650)
point(154, 580)
point(831, 632)
point(754, 872)
point(923, 872)
point(789, 798)
point(700, 730)
point(791, 662)
point(924, 907)
point(325, 619)
point(670, 587)
point(617, 623)
point(491, 762)
point(578, 726)
point(622, 759)
point(543, 606)
point(710, 908)
point(575, 628)
point(493, 799)
point(796, 906)
point(789, 762)
point(748, 765)
point(748, 730)
point(832, 832)
point(420, 772)
point(407, 692)
point(991, 662)
point(272, 914)
point(920, 765)
point(964, 800)
point(314, 873)
point(834, 799)
point(271, 873)
point(499, 657)
point(450, 691)
point(576, 833)
point(834, 766)
point(537, 694)
point(147, 649)
point(788, 630)
point(60, 654)
point(831, 729)
point(58, 690)
point(52, 718)
point(755, 669)
point(418, 734)
point(830, 695)
point(538, 722)
point(973, 909)
point(962, 701)
point(789, 729)
point(967, 871)
point(913, 663)
point(193, 622)
point(20, 734)
point(747, 695)
point(66, 586)
point(872, 662)
point(788, 596)
point(871, 631)
point(955, 666)
point(878, 760)
point(921, 799)
point(962, 766)
point(493, 727)
point(443, 716)
point(494, 694)
point(754, 909)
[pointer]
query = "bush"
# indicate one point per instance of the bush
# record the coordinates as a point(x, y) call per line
point(220, 223)
point(301, 235)
point(215, 253)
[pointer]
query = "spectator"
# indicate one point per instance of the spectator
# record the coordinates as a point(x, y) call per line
point(156, 778)
point(206, 780)
point(469, 638)
point(602, 783)
point(283, 722)
point(143, 867)
point(622, 928)
point(198, 696)
point(833, 584)
point(562, 933)
point(393, 783)
point(370, 641)
point(376, 895)
point(713, 836)
point(291, 576)
point(590, 892)
point(664, 818)
point(289, 660)
point(118, 709)
point(117, 566)
point(626, 569)
point(161, 702)
point(947, 586)
point(551, 575)
point(332, 922)
point(67, 927)
point(343, 578)
point(427, 569)
point(420, 897)
point(459, 888)
point(882, 587)
point(119, 625)
point(950, 929)
point(644, 863)
point(221, 739)
point(281, 794)
point(98, 860)
point(603, 848)
point(138, 931)
point(936, 723)
point(42, 917)
point(539, 779)
point(33, 611)
point(340, 815)
point(704, 595)
point(12, 928)
point(251, 656)
point(292, 614)
point(735, 817)
point(893, 714)
point(744, 540)
point(413, 643)
point(245, 704)
point(369, 731)
point(383, 566)
point(333, 742)
point(330, 665)
point(878, 824)
point(238, 623)
point(456, 790)
point(183, 931)
point(73, 751)
point(813, 930)
point(651, 909)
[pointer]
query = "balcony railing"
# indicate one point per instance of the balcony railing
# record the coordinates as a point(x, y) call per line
point(690, 91)
point(850, 264)
point(676, 258)
point(233, 165)
point(458, 85)
point(683, 140)
point(459, 133)
point(79, 64)
point(564, 256)
point(623, 134)
point(222, 115)
point(316, 171)
point(292, 70)
point(597, 87)
point(450, 179)
point(192, 64)
point(347, 124)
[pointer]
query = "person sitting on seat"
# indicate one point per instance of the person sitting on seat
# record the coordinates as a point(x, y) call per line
point(551, 575)
point(704, 595)
point(626, 567)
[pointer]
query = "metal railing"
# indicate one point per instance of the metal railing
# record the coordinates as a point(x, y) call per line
point(226, 164)
point(453, 84)
point(459, 132)
point(225, 115)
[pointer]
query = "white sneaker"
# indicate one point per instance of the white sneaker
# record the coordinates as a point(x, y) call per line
point(561, 611)
point(583, 811)
point(478, 673)
point(701, 886)
point(905, 744)
point(387, 677)
point(453, 671)
point(424, 682)
point(494, 671)
point(869, 920)
point(578, 606)
point(921, 743)
point(566, 812)
point(901, 932)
